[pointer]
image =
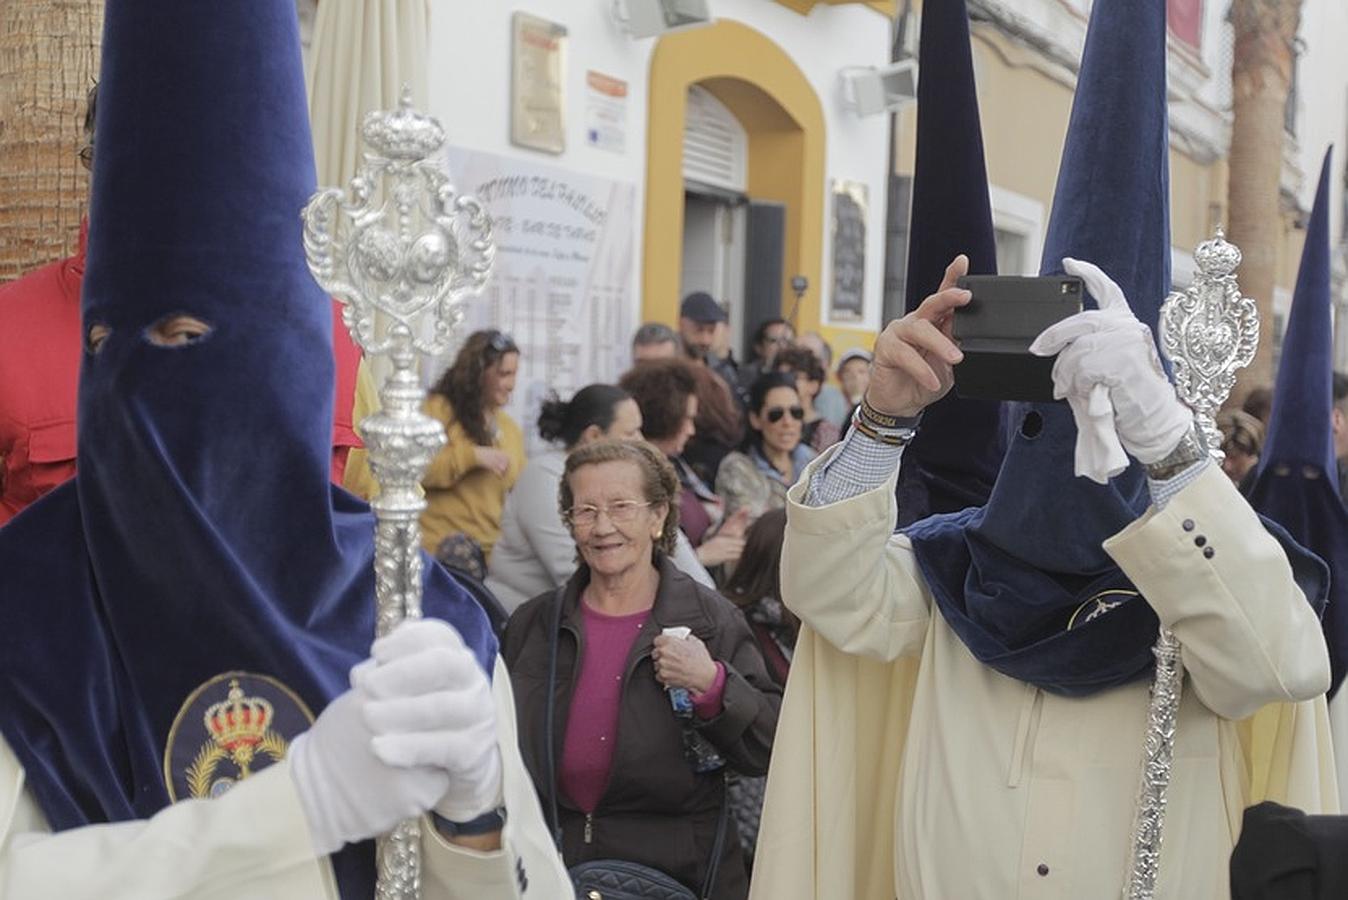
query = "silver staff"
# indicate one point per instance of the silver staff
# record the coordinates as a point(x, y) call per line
point(402, 251)
point(1209, 332)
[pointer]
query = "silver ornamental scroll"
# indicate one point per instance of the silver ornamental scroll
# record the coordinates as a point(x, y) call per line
point(1209, 332)
point(401, 250)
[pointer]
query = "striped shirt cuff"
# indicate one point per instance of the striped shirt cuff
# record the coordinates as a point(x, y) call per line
point(856, 465)
point(1163, 491)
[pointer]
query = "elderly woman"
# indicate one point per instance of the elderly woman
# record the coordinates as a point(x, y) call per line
point(467, 482)
point(631, 772)
point(536, 552)
point(756, 479)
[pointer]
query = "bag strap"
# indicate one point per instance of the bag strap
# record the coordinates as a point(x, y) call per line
point(550, 717)
point(549, 729)
point(718, 845)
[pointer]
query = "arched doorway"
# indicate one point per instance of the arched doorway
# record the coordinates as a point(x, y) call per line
point(755, 81)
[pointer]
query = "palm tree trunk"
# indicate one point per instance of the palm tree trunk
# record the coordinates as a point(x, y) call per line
point(1261, 78)
point(48, 62)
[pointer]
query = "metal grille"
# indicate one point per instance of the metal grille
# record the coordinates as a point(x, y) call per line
point(48, 62)
point(715, 147)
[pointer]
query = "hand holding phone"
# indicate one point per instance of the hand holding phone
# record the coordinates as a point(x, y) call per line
point(914, 356)
point(997, 326)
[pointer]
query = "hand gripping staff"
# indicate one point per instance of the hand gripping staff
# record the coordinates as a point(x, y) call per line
point(1209, 332)
point(401, 250)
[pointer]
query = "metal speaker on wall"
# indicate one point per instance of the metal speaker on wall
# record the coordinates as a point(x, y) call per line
point(651, 18)
point(872, 90)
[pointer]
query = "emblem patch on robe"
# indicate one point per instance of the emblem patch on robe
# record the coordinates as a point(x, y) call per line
point(232, 726)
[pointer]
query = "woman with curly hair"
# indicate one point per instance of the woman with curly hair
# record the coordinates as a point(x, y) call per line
point(467, 482)
point(628, 729)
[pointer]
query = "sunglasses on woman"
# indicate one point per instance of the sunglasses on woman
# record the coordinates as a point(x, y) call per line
point(775, 414)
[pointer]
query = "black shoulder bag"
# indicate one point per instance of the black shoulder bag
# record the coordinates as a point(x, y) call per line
point(615, 879)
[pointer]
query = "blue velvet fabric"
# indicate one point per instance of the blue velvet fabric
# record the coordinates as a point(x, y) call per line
point(201, 534)
point(1008, 576)
point(1296, 484)
point(953, 461)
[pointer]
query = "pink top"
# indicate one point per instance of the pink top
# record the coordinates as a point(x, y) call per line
point(591, 727)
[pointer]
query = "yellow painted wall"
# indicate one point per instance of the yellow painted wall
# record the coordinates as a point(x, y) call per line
point(783, 117)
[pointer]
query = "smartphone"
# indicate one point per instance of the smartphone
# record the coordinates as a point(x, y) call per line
point(998, 325)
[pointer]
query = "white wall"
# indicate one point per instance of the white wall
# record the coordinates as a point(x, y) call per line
point(469, 71)
point(1322, 109)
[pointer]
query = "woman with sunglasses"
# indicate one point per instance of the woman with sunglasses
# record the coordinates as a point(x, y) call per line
point(756, 479)
point(467, 482)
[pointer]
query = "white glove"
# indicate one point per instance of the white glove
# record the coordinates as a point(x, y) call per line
point(1111, 376)
point(432, 706)
point(348, 793)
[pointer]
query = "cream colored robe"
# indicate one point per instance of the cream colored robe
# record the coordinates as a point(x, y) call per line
point(253, 843)
point(904, 768)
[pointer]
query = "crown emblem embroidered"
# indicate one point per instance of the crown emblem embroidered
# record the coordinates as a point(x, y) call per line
point(246, 723)
point(239, 724)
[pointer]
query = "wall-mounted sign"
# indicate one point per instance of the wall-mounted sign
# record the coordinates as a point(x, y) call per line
point(605, 112)
point(563, 284)
point(847, 299)
point(537, 95)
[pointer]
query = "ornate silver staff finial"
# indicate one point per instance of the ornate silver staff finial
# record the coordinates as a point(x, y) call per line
point(401, 251)
point(1209, 332)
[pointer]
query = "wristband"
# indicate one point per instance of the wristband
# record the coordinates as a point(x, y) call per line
point(483, 824)
point(893, 431)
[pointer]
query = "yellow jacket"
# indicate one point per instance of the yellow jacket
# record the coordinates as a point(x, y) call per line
point(460, 496)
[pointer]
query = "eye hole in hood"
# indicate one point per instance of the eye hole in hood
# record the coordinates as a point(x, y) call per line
point(176, 330)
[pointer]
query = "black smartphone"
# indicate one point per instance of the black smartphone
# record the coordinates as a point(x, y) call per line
point(998, 325)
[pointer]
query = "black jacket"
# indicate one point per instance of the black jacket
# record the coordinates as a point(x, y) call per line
point(655, 810)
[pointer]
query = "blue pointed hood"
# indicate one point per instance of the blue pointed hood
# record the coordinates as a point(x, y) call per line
point(953, 461)
point(1010, 576)
point(1297, 482)
point(200, 538)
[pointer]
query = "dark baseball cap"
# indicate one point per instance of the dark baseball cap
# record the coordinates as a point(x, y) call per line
point(700, 307)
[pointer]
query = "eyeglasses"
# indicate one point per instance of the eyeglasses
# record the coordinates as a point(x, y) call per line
point(619, 513)
point(776, 414)
point(86, 155)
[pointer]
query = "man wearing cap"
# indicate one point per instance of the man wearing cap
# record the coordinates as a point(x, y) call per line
point(854, 374)
point(699, 318)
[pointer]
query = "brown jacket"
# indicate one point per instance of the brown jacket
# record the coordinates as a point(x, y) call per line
point(655, 810)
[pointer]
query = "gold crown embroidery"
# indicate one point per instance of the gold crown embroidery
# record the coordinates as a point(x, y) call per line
point(239, 729)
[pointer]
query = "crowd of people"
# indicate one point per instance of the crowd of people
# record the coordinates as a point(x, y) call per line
point(658, 503)
point(598, 687)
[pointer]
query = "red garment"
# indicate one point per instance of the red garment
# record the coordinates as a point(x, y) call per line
point(40, 350)
point(39, 372)
point(592, 723)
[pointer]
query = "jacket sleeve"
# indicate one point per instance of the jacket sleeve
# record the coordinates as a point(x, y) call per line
point(742, 486)
point(528, 865)
point(457, 458)
point(750, 701)
point(848, 576)
point(1223, 585)
point(251, 842)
